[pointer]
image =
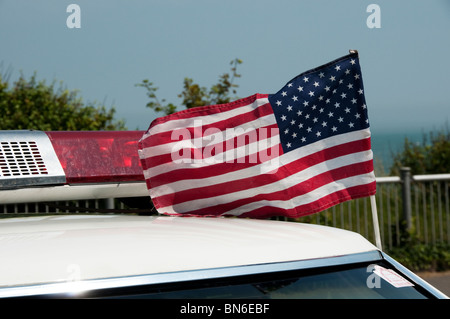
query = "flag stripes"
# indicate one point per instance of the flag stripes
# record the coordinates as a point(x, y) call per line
point(230, 160)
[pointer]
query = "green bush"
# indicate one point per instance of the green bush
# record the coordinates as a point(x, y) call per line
point(29, 104)
point(194, 95)
point(432, 156)
point(422, 257)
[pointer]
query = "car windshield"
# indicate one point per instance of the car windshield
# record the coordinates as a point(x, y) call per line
point(344, 282)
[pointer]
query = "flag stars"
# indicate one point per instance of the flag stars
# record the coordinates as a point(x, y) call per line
point(320, 104)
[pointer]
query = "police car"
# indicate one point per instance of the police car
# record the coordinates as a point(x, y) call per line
point(131, 256)
point(100, 256)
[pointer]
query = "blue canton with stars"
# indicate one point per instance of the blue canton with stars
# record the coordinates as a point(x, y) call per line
point(321, 103)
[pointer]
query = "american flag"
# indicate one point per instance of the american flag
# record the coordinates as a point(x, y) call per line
point(292, 153)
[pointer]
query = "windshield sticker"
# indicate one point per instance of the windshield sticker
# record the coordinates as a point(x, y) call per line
point(392, 277)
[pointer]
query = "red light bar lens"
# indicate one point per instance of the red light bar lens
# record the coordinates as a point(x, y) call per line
point(98, 157)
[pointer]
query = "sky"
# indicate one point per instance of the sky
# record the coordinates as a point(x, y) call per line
point(405, 61)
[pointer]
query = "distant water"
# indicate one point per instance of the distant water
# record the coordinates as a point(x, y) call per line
point(385, 144)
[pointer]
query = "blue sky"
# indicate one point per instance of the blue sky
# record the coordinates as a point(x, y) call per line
point(405, 63)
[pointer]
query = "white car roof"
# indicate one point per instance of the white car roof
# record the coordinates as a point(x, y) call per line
point(59, 248)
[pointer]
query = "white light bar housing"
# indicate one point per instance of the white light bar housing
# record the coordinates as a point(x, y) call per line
point(27, 158)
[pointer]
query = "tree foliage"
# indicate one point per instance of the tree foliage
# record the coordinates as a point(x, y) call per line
point(193, 94)
point(432, 156)
point(33, 104)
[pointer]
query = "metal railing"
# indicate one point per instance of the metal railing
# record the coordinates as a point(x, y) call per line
point(417, 205)
point(408, 206)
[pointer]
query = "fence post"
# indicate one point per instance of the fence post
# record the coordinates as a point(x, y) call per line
point(109, 202)
point(405, 174)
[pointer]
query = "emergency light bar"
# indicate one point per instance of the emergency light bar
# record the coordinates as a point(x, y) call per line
point(40, 166)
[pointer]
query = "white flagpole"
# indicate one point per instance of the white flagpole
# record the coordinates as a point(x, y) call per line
point(376, 226)
point(373, 204)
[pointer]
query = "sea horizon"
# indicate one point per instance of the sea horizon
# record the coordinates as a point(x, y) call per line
point(386, 144)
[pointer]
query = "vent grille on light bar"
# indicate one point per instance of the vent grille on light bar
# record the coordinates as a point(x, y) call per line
point(21, 159)
point(27, 158)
